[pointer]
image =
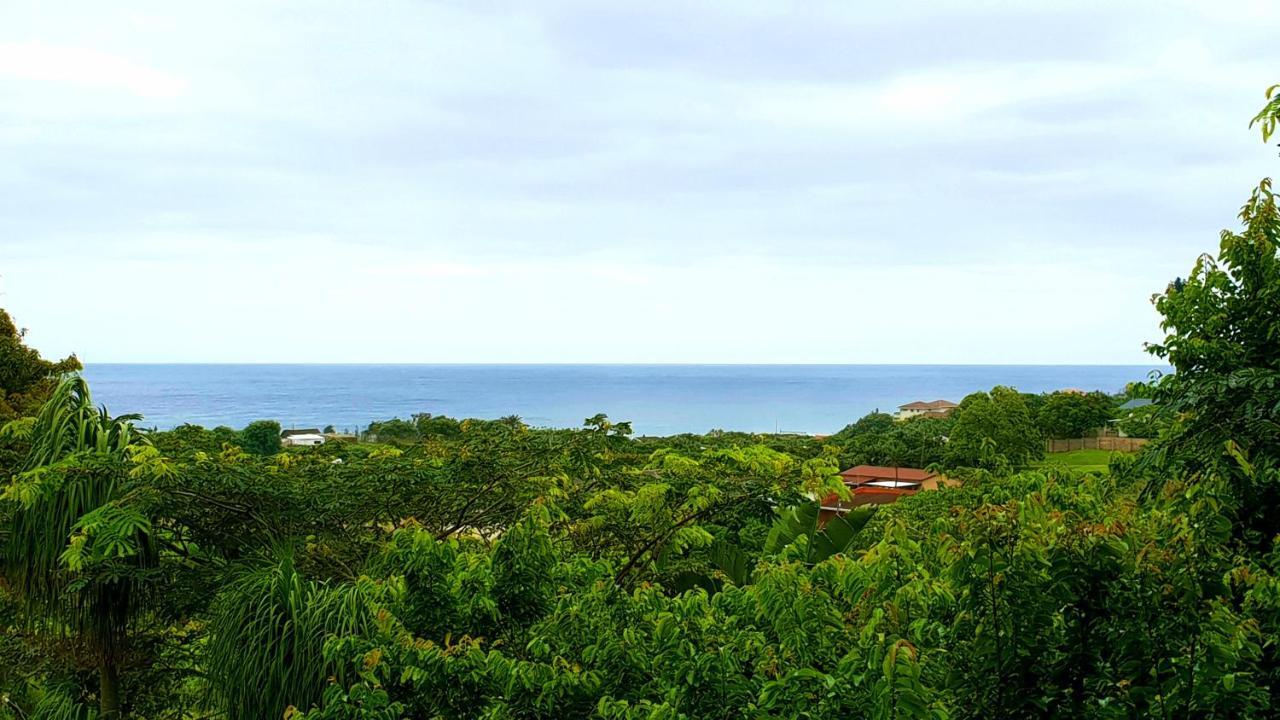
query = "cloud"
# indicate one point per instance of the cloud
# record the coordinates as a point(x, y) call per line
point(515, 163)
point(85, 68)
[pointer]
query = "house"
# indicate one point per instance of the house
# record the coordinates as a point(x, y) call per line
point(889, 477)
point(303, 439)
point(306, 436)
point(935, 408)
point(1134, 404)
point(876, 485)
point(299, 431)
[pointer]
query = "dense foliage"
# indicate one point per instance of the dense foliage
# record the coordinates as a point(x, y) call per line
point(1223, 398)
point(486, 569)
point(994, 431)
point(261, 437)
point(1147, 421)
point(878, 439)
point(26, 379)
point(419, 427)
point(1067, 414)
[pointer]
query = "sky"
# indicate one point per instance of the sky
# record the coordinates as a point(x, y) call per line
point(632, 181)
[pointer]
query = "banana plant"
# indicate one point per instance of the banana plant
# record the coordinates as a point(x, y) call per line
point(821, 540)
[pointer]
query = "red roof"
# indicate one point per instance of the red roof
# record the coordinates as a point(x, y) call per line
point(878, 496)
point(865, 496)
point(867, 473)
point(931, 405)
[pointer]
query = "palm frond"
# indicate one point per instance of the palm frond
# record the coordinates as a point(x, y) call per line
point(267, 638)
point(75, 468)
point(69, 423)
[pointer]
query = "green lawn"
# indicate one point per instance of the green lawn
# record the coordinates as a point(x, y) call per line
point(1084, 460)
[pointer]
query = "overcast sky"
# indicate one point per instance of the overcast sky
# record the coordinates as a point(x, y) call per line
point(843, 182)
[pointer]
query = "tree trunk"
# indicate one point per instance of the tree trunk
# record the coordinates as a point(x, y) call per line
point(108, 690)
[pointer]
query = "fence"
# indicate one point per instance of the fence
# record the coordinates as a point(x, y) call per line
point(1122, 444)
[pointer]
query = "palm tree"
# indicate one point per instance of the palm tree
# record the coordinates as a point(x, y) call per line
point(70, 491)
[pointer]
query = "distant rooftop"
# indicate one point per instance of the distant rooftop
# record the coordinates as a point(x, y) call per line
point(864, 474)
point(891, 484)
point(932, 405)
point(1136, 403)
point(302, 431)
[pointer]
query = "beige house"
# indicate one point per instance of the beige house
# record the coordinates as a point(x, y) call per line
point(935, 408)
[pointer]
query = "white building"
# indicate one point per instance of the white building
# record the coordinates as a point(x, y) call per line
point(302, 436)
point(303, 439)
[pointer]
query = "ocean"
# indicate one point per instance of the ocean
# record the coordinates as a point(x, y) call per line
point(657, 399)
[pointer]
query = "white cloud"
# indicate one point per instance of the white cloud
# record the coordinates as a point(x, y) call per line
point(85, 67)
point(632, 181)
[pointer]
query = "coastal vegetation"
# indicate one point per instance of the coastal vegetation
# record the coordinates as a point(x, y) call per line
point(27, 379)
point(488, 569)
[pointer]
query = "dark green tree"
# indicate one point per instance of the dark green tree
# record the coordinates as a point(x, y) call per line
point(26, 379)
point(1141, 422)
point(75, 550)
point(878, 439)
point(1223, 341)
point(1074, 414)
point(870, 424)
point(523, 570)
point(261, 437)
point(436, 425)
point(395, 430)
point(994, 431)
point(268, 629)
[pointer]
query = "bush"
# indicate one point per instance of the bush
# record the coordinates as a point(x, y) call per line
point(261, 437)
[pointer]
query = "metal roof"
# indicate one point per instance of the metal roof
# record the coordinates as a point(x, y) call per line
point(1136, 403)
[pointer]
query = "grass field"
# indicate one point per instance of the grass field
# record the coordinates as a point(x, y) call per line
point(1085, 460)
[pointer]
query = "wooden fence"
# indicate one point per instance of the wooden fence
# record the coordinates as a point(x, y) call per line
point(1122, 444)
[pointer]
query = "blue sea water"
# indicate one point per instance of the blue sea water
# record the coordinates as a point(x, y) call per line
point(657, 399)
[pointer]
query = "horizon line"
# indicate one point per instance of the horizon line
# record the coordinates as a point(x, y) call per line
point(628, 364)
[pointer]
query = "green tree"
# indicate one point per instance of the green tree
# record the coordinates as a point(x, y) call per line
point(187, 438)
point(76, 551)
point(523, 570)
point(261, 437)
point(1141, 422)
point(268, 630)
point(436, 425)
point(994, 431)
point(1269, 116)
point(394, 430)
point(1073, 414)
point(26, 379)
point(1223, 340)
point(878, 439)
point(871, 424)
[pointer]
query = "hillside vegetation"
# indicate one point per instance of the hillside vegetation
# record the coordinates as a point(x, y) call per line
point(486, 569)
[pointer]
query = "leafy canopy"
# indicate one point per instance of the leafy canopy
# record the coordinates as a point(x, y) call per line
point(26, 379)
point(1222, 400)
point(995, 431)
point(261, 437)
